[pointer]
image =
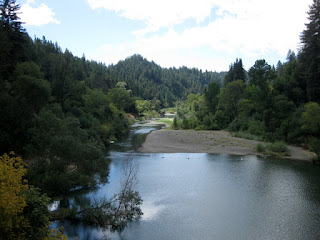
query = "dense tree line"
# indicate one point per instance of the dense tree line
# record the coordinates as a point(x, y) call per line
point(58, 111)
point(236, 72)
point(148, 80)
point(276, 104)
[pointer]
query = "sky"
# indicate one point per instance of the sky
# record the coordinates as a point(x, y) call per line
point(205, 34)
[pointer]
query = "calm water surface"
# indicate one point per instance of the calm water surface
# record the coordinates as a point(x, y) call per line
point(212, 196)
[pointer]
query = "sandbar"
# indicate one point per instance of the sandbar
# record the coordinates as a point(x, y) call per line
point(222, 142)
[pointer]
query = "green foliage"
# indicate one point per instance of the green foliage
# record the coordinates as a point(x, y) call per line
point(168, 121)
point(190, 112)
point(247, 135)
point(260, 148)
point(148, 80)
point(57, 110)
point(311, 118)
point(121, 98)
point(148, 108)
point(61, 111)
point(23, 209)
point(27, 94)
point(12, 198)
point(210, 122)
point(310, 54)
point(230, 98)
point(58, 141)
point(211, 97)
point(289, 81)
point(256, 127)
point(175, 123)
point(277, 149)
point(221, 119)
point(56, 234)
point(36, 213)
point(12, 39)
point(236, 72)
point(114, 213)
point(201, 127)
point(314, 145)
point(260, 74)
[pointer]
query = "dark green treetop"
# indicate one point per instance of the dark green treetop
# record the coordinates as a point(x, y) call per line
point(310, 54)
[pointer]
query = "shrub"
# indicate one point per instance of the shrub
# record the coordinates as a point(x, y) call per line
point(273, 149)
point(201, 127)
point(314, 145)
point(256, 128)
point(235, 125)
point(260, 148)
point(278, 147)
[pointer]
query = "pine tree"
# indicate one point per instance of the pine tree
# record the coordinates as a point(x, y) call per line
point(310, 54)
point(236, 72)
point(12, 38)
point(9, 17)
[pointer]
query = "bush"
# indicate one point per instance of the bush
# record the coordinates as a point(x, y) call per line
point(256, 127)
point(201, 127)
point(260, 148)
point(175, 123)
point(221, 119)
point(273, 149)
point(167, 121)
point(235, 125)
point(141, 119)
point(278, 147)
point(185, 124)
point(314, 146)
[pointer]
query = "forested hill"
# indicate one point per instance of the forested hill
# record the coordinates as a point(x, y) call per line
point(148, 80)
point(59, 110)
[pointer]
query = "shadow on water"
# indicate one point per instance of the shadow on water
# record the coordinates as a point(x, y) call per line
point(135, 139)
point(84, 197)
point(210, 196)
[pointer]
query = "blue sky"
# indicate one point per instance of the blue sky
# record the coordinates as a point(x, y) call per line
point(206, 34)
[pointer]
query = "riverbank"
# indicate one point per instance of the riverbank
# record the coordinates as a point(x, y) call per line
point(182, 141)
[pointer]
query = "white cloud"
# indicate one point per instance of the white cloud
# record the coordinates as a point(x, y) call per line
point(37, 16)
point(157, 14)
point(240, 28)
point(114, 53)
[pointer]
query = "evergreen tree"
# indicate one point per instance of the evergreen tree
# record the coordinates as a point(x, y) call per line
point(236, 72)
point(310, 55)
point(12, 38)
point(211, 97)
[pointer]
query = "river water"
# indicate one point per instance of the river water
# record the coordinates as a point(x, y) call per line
point(211, 196)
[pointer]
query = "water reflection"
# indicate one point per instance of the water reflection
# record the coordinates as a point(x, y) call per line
point(54, 206)
point(212, 196)
point(135, 139)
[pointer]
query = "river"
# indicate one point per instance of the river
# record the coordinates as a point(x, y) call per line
point(211, 196)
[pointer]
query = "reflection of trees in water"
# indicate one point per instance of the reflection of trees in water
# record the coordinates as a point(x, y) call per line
point(107, 213)
point(137, 140)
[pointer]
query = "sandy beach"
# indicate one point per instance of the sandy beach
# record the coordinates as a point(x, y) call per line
point(182, 141)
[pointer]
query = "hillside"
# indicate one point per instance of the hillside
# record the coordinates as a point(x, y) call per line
point(147, 80)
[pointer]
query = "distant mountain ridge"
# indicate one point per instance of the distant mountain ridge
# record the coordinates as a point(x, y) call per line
point(148, 80)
